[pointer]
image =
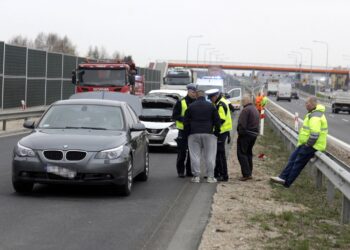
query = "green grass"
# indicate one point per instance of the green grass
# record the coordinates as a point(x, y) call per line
point(318, 227)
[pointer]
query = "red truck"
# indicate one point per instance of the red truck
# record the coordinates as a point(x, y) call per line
point(108, 76)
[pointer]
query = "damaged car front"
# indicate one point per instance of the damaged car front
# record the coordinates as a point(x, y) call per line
point(157, 117)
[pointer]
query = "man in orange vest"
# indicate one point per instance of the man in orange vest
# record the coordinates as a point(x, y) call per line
point(258, 102)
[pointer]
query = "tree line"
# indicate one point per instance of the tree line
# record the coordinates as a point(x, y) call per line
point(53, 42)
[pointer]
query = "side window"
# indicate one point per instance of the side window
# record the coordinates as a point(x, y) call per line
point(128, 117)
point(133, 115)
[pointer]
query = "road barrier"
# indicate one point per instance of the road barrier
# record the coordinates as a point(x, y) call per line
point(337, 176)
point(11, 115)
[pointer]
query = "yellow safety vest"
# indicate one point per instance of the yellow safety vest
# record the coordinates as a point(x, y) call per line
point(315, 129)
point(227, 125)
point(180, 125)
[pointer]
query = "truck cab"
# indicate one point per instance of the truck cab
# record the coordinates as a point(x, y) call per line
point(107, 76)
point(178, 78)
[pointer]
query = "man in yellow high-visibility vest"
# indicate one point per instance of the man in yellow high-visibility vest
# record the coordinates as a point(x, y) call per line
point(182, 145)
point(222, 105)
point(312, 137)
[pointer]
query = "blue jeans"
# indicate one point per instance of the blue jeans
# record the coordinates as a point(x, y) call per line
point(296, 163)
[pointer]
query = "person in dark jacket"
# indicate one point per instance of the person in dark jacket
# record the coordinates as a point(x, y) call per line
point(182, 146)
point(248, 131)
point(202, 125)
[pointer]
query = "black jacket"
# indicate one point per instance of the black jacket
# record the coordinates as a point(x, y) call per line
point(248, 121)
point(201, 118)
point(177, 109)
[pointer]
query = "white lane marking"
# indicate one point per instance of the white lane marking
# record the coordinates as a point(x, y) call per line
point(345, 120)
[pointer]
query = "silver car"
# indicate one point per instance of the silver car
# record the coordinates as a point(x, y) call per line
point(83, 141)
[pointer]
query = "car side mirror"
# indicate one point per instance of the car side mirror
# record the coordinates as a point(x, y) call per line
point(138, 127)
point(29, 124)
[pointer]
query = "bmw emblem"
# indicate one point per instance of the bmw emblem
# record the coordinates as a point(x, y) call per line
point(65, 146)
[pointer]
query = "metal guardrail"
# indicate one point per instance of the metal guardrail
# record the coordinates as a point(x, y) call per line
point(337, 176)
point(20, 114)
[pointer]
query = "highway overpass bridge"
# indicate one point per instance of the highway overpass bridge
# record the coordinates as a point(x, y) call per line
point(257, 67)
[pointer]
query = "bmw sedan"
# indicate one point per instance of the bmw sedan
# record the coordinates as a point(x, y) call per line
point(83, 141)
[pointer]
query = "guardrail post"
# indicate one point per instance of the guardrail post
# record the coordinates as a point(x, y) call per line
point(318, 178)
point(345, 216)
point(330, 192)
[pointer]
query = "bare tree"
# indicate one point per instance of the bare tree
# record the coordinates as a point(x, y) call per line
point(20, 40)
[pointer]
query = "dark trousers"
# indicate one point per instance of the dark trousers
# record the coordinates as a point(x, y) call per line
point(183, 155)
point(296, 163)
point(245, 146)
point(220, 170)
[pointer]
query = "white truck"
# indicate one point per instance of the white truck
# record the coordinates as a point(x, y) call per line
point(340, 101)
point(178, 78)
point(272, 87)
point(284, 92)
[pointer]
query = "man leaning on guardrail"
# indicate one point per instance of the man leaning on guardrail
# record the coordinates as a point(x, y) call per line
point(312, 137)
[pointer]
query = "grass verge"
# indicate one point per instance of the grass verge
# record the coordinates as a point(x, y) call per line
point(316, 227)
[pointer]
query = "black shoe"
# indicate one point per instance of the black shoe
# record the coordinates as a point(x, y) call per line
point(189, 175)
point(181, 175)
point(221, 178)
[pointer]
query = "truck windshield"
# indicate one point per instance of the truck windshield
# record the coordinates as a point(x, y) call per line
point(102, 77)
point(177, 80)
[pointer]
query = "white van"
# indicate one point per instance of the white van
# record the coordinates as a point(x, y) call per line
point(284, 92)
point(235, 97)
point(210, 82)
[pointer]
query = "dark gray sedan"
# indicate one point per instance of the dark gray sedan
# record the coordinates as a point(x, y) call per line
point(97, 142)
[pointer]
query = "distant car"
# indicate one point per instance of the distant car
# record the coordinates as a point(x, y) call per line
point(157, 117)
point(295, 93)
point(83, 141)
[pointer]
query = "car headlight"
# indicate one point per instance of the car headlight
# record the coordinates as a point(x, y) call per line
point(110, 154)
point(24, 151)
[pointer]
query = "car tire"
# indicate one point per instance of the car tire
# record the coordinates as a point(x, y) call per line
point(277, 99)
point(336, 111)
point(125, 189)
point(22, 187)
point(290, 99)
point(144, 175)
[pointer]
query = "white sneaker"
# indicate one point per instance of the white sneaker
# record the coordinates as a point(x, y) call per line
point(195, 179)
point(277, 179)
point(211, 180)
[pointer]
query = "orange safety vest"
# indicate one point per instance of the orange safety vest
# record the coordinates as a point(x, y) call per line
point(258, 101)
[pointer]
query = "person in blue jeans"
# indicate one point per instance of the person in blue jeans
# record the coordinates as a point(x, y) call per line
point(312, 137)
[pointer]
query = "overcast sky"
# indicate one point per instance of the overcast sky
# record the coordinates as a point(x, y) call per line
point(241, 30)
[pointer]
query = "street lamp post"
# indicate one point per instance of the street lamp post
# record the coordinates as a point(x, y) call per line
point(188, 41)
point(210, 53)
point(301, 60)
point(205, 53)
point(311, 75)
point(347, 57)
point(199, 46)
point(327, 47)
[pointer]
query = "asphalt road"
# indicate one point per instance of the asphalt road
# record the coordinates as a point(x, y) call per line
point(165, 212)
point(338, 124)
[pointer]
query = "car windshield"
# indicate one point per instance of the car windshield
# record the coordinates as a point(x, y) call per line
point(81, 116)
point(102, 77)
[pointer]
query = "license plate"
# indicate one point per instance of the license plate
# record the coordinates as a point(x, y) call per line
point(64, 172)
